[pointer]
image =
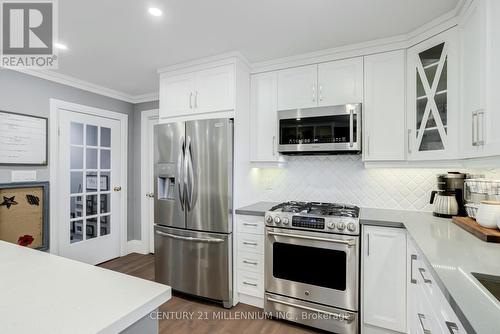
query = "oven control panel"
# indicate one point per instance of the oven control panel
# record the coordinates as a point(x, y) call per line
point(342, 225)
point(308, 222)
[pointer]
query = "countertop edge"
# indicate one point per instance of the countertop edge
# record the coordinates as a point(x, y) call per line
point(139, 313)
point(250, 213)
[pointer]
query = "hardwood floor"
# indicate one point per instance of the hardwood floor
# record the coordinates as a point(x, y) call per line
point(199, 316)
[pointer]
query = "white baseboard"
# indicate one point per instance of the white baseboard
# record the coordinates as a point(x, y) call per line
point(137, 246)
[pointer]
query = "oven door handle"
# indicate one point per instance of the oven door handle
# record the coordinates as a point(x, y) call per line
point(348, 243)
point(347, 317)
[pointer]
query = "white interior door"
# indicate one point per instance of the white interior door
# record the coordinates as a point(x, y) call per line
point(90, 219)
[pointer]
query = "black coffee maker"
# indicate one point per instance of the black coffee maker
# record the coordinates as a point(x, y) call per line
point(448, 200)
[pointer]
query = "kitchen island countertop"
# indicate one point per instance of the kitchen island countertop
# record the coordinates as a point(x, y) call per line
point(45, 293)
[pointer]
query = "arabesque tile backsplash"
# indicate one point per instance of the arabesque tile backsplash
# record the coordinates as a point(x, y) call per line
point(343, 178)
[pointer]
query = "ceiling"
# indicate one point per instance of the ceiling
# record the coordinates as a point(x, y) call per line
point(117, 44)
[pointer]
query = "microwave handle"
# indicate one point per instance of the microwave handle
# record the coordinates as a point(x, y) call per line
point(351, 129)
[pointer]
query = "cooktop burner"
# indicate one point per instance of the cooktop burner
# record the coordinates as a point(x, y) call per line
point(319, 209)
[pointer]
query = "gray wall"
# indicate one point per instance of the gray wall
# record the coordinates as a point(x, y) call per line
point(26, 94)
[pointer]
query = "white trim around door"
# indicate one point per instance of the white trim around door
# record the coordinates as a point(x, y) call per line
point(55, 106)
point(147, 170)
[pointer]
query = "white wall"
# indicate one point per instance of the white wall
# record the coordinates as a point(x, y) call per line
point(343, 178)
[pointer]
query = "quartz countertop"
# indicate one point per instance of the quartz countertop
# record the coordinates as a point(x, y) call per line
point(45, 293)
point(257, 209)
point(453, 254)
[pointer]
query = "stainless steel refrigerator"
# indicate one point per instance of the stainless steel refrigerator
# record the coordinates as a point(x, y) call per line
point(193, 207)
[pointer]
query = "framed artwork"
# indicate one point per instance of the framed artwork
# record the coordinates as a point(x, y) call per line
point(24, 213)
point(23, 139)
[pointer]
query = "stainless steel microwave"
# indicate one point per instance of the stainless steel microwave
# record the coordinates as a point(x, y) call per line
point(335, 129)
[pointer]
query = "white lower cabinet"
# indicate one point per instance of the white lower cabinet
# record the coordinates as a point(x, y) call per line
point(384, 279)
point(249, 264)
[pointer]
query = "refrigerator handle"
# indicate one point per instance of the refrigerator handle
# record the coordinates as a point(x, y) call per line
point(191, 182)
point(180, 173)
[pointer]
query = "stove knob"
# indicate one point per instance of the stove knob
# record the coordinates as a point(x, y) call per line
point(285, 221)
point(351, 227)
point(330, 225)
point(340, 226)
point(269, 219)
point(277, 220)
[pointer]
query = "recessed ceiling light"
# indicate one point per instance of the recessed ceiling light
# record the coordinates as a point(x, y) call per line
point(155, 11)
point(60, 46)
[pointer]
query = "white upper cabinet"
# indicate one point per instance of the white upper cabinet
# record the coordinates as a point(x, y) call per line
point(264, 117)
point(433, 101)
point(340, 82)
point(298, 87)
point(384, 278)
point(214, 89)
point(204, 91)
point(385, 107)
point(176, 95)
point(480, 47)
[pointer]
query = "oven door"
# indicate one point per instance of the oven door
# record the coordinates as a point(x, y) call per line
point(316, 267)
point(321, 129)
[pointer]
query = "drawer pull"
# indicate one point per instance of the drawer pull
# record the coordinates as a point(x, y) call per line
point(426, 280)
point(249, 243)
point(250, 262)
point(452, 327)
point(250, 283)
point(250, 224)
point(421, 318)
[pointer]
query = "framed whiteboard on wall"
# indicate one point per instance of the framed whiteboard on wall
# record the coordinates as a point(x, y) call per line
point(23, 139)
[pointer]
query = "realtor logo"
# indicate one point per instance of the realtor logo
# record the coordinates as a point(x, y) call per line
point(28, 34)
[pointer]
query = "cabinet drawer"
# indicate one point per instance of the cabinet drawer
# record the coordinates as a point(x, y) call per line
point(422, 318)
point(250, 224)
point(251, 243)
point(251, 283)
point(251, 262)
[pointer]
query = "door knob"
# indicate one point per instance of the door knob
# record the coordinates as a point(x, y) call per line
point(152, 195)
point(117, 188)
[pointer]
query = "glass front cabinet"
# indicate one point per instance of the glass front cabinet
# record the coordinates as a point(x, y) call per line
point(433, 102)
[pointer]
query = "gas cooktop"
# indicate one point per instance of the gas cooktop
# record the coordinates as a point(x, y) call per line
point(319, 209)
point(320, 217)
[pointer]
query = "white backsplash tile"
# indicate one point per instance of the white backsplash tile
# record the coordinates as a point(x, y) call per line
point(344, 179)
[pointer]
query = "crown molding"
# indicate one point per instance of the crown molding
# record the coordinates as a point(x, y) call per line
point(70, 81)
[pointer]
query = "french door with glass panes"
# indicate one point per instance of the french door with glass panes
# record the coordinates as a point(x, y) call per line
point(433, 108)
point(90, 172)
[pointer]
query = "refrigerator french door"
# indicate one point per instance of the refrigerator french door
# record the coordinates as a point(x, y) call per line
point(193, 207)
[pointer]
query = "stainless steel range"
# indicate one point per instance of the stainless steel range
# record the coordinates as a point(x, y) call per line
point(312, 265)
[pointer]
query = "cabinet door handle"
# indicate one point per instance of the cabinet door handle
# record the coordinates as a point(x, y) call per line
point(474, 128)
point(321, 92)
point(250, 262)
point(314, 93)
point(368, 244)
point(196, 99)
point(426, 280)
point(421, 318)
point(452, 327)
point(409, 141)
point(250, 224)
point(480, 126)
point(191, 100)
point(274, 146)
point(413, 258)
